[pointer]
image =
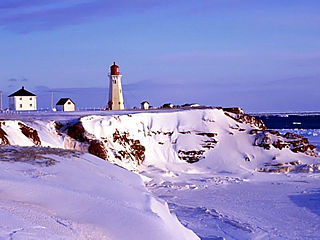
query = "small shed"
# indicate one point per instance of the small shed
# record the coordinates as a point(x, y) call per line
point(22, 100)
point(65, 105)
point(145, 105)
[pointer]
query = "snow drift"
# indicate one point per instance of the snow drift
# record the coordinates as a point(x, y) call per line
point(51, 193)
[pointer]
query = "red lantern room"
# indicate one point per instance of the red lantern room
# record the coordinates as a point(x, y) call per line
point(114, 69)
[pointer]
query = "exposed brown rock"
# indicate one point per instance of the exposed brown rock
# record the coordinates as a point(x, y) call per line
point(254, 131)
point(274, 132)
point(138, 151)
point(294, 142)
point(168, 133)
point(280, 144)
point(245, 118)
point(132, 149)
point(187, 132)
point(58, 126)
point(207, 134)
point(35, 155)
point(191, 156)
point(290, 135)
point(209, 143)
point(285, 169)
point(3, 138)
point(295, 166)
point(30, 133)
point(77, 132)
point(97, 148)
point(236, 110)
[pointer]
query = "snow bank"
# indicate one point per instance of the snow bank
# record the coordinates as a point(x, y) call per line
point(58, 194)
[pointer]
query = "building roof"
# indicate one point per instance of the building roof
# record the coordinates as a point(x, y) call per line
point(21, 92)
point(145, 102)
point(63, 101)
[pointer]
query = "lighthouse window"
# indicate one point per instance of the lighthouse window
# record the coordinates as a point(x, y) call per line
point(30, 105)
point(20, 105)
point(30, 98)
point(114, 81)
point(21, 98)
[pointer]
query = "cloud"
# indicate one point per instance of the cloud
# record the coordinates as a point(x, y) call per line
point(293, 82)
point(45, 18)
point(12, 80)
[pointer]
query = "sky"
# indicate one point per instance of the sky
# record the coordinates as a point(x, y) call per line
point(261, 55)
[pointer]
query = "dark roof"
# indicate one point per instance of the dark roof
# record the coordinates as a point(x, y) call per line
point(62, 101)
point(145, 102)
point(22, 92)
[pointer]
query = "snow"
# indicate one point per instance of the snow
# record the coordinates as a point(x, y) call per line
point(79, 197)
point(222, 195)
point(263, 207)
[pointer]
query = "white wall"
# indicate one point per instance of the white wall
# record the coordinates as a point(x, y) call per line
point(23, 103)
point(67, 107)
point(115, 92)
point(145, 106)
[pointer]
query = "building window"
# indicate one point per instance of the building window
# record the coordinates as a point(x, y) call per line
point(21, 98)
point(114, 81)
point(20, 105)
point(69, 102)
point(30, 105)
point(31, 98)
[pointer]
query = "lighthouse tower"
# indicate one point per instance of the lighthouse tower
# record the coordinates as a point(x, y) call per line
point(115, 89)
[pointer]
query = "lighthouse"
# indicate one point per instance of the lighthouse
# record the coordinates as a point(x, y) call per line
point(115, 89)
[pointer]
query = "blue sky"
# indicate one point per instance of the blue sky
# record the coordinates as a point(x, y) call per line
point(262, 55)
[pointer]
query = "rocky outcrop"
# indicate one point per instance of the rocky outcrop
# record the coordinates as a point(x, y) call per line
point(294, 142)
point(3, 136)
point(58, 126)
point(77, 132)
point(97, 148)
point(235, 110)
point(295, 166)
point(73, 134)
point(30, 133)
point(131, 148)
point(238, 115)
point(191, 156)
point(209, 134)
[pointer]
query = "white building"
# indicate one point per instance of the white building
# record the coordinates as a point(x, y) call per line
point(66, 105)
point(145, 105)
point(22, 100)
point(115, 89)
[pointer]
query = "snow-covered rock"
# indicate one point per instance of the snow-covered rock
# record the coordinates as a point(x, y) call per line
point(175, 142)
